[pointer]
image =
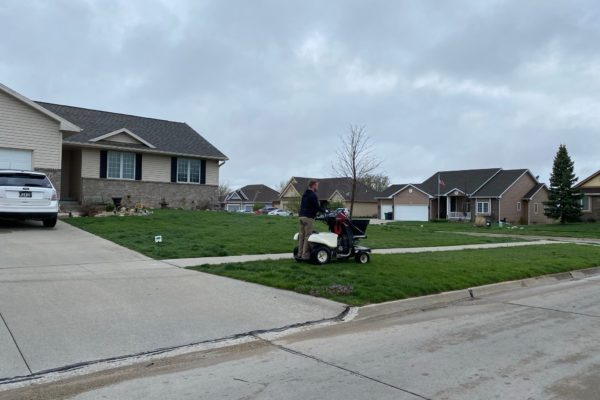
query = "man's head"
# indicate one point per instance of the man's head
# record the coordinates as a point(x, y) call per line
point(313, 185)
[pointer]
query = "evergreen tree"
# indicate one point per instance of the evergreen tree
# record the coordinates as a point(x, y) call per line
point(564, 202)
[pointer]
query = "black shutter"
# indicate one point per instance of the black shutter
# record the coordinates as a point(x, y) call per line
point(138, 167)
point(203, 171)
point(173, 169)
point(103, 162)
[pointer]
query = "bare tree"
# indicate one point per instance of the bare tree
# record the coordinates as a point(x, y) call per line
point(355, 158)
point(223, 190)
point(281, 186)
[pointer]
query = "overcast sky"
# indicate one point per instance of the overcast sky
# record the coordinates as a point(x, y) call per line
point(273, 84)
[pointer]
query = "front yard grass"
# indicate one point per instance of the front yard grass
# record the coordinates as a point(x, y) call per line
point(575, 230)
point(189, 234)
point(399, 276)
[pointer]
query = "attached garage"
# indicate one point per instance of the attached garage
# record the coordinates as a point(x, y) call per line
point(16, 159)
point(385, 208)
point(411, 213)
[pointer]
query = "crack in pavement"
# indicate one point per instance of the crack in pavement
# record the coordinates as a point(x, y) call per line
point(15, 342)
point(551, 309)
point(321, 361)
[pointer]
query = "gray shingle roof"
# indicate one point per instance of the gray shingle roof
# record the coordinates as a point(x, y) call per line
point(390, 190)
point(500, 182)
point(465, 180)
point(529, 195)
point(259, 193)
point(166, 136)
point(327, 186)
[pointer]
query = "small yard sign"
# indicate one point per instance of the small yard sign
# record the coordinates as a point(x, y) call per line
point(158, 239)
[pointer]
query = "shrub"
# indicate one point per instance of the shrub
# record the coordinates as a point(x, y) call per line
point(89, 210)
point(110, 207)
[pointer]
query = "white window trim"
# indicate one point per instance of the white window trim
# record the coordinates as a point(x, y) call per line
point(189, 167)
point(489, 207)
point(121, 153)
point(589, 209)
point(518, 206)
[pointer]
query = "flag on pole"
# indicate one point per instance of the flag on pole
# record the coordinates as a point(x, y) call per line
point(440, 181)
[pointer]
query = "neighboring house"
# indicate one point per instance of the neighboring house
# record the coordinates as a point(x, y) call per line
point(590, 201)
point(332, 190)
point(247, 197)
point(92, 156)
point(513, 196)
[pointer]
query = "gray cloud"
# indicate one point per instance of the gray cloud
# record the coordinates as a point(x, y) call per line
point(439, 85)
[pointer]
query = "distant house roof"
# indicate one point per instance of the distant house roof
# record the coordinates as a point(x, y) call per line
point(589, 178)
point(500, 183)
point(153, 134)
point(467, 181)
point(328, 186)
point(255, 194)
point(533, 191)
point(390, 190)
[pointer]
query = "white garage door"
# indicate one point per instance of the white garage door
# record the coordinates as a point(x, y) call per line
point(410, 213)
point(385, 208)
point(15, 159)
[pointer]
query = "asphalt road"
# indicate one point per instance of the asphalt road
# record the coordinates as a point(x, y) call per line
point(533, 343)
point(67, 297)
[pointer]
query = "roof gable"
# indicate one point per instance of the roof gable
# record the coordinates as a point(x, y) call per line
point(259, 193)
point(117, 136)
point(467, 181)
point(592, 181)
point(327, 186)
point(501, 182)
point(64, 125)
point(166, 136)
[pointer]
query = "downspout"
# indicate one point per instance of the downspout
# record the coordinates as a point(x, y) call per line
point(499, 213)
point(221, 163)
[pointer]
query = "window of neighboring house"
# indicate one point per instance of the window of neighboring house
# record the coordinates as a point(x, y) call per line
point(535, 208)
point(518, 206)
point(483, 206)
point(188, 170)
point(586, 204)
point(120, 165)
point(248, 208)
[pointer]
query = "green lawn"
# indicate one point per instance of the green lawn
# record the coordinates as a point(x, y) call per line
point(577, 230)
point(189, 234)
point(399, 276)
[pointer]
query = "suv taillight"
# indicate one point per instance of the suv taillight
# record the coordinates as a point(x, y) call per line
point(54, 196)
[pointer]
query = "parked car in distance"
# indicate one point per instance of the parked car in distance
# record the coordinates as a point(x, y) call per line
point(266, 210)
point(343, 209)
point(28, 195)
point(281, 213)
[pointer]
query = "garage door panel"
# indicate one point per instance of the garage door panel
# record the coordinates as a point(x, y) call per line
point(385, 208)
point(15, 159)
point(411, 213)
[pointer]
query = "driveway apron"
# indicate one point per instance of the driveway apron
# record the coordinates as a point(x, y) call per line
point(67, 296)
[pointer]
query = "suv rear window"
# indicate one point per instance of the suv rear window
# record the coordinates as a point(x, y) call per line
point(23, 179)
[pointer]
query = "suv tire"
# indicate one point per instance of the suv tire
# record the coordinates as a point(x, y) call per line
point(50, 222)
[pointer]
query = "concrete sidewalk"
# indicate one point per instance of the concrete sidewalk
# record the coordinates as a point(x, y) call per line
point(191, 262)
point(529, 237)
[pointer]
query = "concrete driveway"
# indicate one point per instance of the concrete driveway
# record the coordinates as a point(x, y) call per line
point(67, 296)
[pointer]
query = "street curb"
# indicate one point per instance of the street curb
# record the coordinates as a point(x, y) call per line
point(447, 298)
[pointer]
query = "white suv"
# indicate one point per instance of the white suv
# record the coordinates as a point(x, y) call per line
point(28, 195)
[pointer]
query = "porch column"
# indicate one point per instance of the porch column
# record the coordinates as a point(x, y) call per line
point(447, 207)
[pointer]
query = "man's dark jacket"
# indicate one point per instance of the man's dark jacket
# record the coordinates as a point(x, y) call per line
point(309, 206)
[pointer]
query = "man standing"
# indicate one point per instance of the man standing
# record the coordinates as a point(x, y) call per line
point(309, 207)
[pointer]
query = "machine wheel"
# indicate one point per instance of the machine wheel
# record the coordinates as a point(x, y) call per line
point(321, 255)
point(296, 254)
point(362, 258)
point(50, 222)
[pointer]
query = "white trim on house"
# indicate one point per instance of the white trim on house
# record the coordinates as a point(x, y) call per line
point(536, 192)
point(589, 203)
point(64, 125)
point(125, 131)
point(121, 155)
point(489, 207)
point(516, 180)
point(485, 183)
point(103, 146)
point(589, 178)
point(453, 190)
point(391, 196)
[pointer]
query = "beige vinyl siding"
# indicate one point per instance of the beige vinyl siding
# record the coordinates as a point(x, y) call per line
point(156, 168)
point(592, 183)
point(22, 127)
point(90, 163)
point(121, 138)
point(212, 172)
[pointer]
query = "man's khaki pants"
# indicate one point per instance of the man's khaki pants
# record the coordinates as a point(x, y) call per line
point(305, 230)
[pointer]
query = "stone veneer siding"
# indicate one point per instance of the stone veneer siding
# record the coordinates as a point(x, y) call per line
point(53, 175)
point(150, 194)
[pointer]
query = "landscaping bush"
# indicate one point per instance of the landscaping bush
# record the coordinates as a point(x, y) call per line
point(90, 210)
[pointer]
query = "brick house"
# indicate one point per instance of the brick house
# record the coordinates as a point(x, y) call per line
point(331, 190)
point(590, 201)
point(245, 198)
point(514, 196)
point(92, 156)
